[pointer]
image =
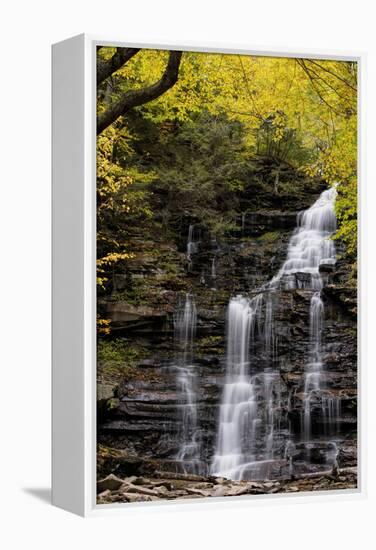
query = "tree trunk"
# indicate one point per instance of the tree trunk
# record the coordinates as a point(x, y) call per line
point(134, 98)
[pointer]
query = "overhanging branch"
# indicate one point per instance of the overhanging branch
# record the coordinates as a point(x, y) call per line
point(134, 98)
point(120, 58)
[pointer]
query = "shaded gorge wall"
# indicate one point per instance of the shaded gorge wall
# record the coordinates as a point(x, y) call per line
point(162, 400)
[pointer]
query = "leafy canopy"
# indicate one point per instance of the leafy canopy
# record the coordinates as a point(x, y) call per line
point(222, 111)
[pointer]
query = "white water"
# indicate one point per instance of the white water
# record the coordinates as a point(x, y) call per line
point(241, 417)
point(313, 369)
point(310, 246)
point(213, 269)
point(238, 411)
point(243, 221)
point(185, 322)
point(192, 242)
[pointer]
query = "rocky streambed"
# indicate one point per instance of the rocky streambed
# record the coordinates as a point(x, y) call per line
point(164, 486)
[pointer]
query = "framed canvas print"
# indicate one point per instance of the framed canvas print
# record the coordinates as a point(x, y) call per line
point(205, 274)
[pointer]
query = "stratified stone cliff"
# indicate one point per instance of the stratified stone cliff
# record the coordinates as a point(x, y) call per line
point(139, 420)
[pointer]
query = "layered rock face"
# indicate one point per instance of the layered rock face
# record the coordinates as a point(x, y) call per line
point(163, 414)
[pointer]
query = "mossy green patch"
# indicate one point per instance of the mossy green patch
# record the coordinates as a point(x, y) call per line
point(269, 237)
point(117, 359)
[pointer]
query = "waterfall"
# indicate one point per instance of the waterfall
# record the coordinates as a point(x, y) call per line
point(269, 336)
point(248, 428)
point(185, 322)
point(192, 242)
point(243, 222)
point(213, 270)
point(308, 249)
point(313, 370)
point(310, 246)
point(238, 411)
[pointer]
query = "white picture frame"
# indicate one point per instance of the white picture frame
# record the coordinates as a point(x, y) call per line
point(74, 276)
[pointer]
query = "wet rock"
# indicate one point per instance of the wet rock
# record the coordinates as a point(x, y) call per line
point(104, 494)
point(149, 363)
point(318, 456)
point(327, 268)
point(124, 315)
point(116, 461)
point(136, 497)
point(138, 480)
point(257, 223)
point(141, 490)
point(302, 278)
point(111, 483)
point(104, 392)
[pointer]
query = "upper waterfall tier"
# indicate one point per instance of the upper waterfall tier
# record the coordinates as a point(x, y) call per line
point(310, 246)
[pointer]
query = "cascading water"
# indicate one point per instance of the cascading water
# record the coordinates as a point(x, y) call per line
point(192, 242)
point(213, 273)
point(185, 322)
point(213, 270)
point(313, 371)
point(238, 411)
point(243, 222)
point(249, 419)
point(310, 246)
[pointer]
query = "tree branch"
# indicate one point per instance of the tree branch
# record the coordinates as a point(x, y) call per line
point(250, 95)
point(120, 58)
point(302, 64)
point(134, 98)
point(333, 74)
point(326, 83)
